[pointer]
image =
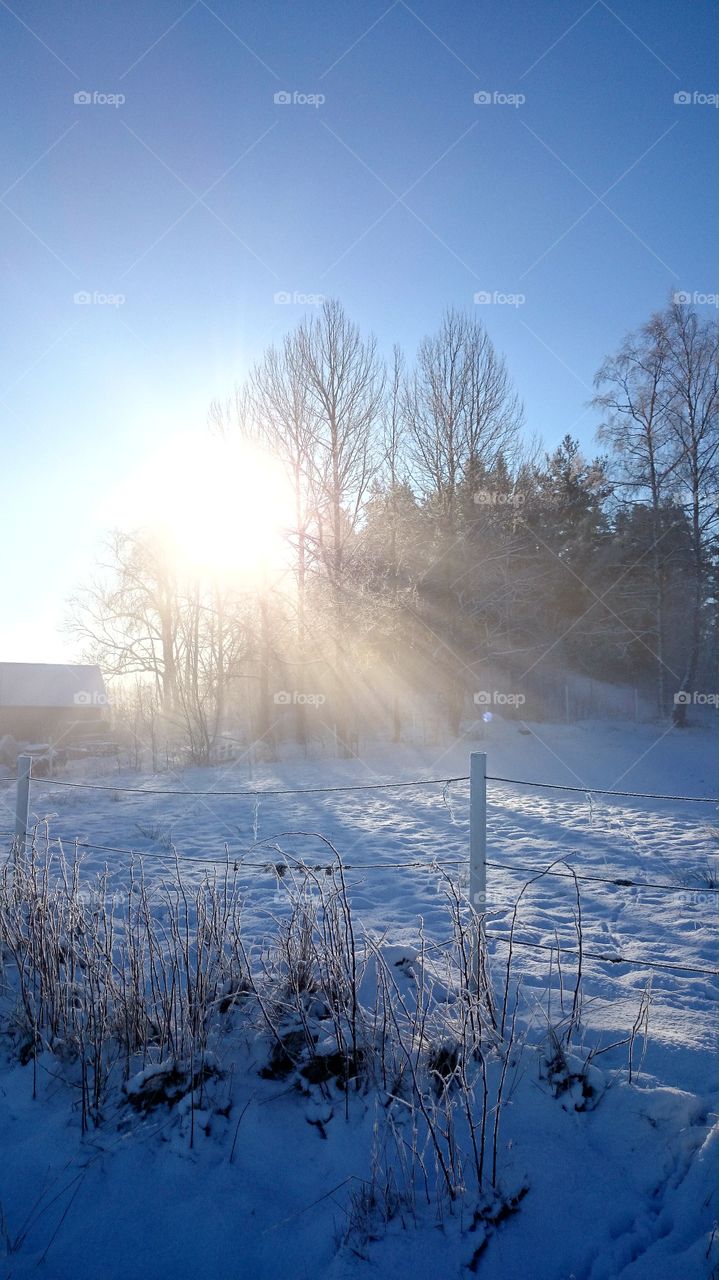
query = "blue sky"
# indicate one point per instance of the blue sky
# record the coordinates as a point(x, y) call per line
point(199, 198)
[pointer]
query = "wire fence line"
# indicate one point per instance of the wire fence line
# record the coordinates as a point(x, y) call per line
point(619, 881)
point(368, 786)
point(604, 791)
point(268, 868)
point(604, 958)
point(237, 865)
point(256, 792)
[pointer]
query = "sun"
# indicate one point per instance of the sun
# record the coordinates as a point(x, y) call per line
point(225, 507)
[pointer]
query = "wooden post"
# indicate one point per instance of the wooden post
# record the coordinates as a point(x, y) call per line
point(478, 847)
point(22, 804)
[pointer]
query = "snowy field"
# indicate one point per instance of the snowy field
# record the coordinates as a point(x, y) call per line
point(624, 1189)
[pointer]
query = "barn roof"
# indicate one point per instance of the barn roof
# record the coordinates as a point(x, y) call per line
point(49, 684)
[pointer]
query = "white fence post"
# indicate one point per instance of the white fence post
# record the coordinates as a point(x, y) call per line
point(478, 842)
point(22, 804)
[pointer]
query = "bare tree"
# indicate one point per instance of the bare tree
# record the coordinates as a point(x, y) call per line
point(128, 619)
point(462, 410)
point(393, 438)
point(344, 381)
point(280, 404)
point(215, 639)
point(142, 617)
point(693, 380)
point(464, 418)
point(635, 401)
point(659, 396)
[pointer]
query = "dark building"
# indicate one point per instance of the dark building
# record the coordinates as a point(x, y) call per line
point(46, 702)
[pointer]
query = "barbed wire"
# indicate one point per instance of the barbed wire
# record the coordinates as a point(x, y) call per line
point(268, 867)
point(238, 862)
point(635, 963)
point(620, 881)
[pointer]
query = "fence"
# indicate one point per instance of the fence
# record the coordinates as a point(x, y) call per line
point(477, 862)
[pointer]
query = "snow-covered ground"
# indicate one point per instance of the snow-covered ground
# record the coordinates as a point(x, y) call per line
point(626, 1189)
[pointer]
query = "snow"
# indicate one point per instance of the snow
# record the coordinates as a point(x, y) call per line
point(624, 1187)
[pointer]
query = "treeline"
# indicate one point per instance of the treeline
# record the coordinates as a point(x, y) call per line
point(432, 541)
